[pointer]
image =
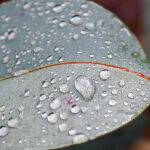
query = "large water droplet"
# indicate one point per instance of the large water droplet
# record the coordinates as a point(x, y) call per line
point(85, 86)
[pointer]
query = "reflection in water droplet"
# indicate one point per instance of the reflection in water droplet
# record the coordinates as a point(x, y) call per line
point(45, 84)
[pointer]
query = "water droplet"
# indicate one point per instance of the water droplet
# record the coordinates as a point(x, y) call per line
point(114, 91)
point(72, 132)
point(62, 127)
point(52, 118)
point(85, 86)
point(75, 109)
point(90, 26)
point(38, 49)
point(2, 108)
point(63, 116)
point(58, 9)
point(76, 37)
point(142, 93)
point(76, 20)
point(27, 5)
point(130, 95)
point(104, 94)
point(11, 35)
point(63, 24)
point(80, 138)
point(42, 97)
point(45, 84)
point(27, 93)
point(49, 58)
point(112, 102)
point(56, 103)
point(104, 74)
point(64, 88)
point(121, 83)
point(13, 122)
point(53, 80)
point(5, 59)
point(3, 131)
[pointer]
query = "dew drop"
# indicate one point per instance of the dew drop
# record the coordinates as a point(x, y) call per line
point(56, 103)
point(130, 95)
point(62, 127)
point(114, 91)
point(85, 87)
point(63, 116)
point(64, 88)
point(58, 9)
point(90, 26)
point(52, 118)
point(27, 5)
point(45, 84)
point(72, 132)
point(13, 122)
point(104, 74)
point(42, 97)
point(3, 131)
point(80, 138)
point(112, 102)
point(76, 20)
point(121, 83)
point(75, 109)
point(63, 24)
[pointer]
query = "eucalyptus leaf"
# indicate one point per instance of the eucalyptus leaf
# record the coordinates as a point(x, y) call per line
point(70, 71)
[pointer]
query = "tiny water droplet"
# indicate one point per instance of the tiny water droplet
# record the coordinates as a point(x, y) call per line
point(112, 102)
point(90, 26)
point(42, 97)
point(13, 122)
point(56, 103)
point(45, 84)
point(104, 74)
point(75, 109)
point(52, 118)
point(64, 88)
point(76, 20)
point(80, 138)
point(121, 83)
point(130, 95)
point(3, 131)
point(62, 127)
